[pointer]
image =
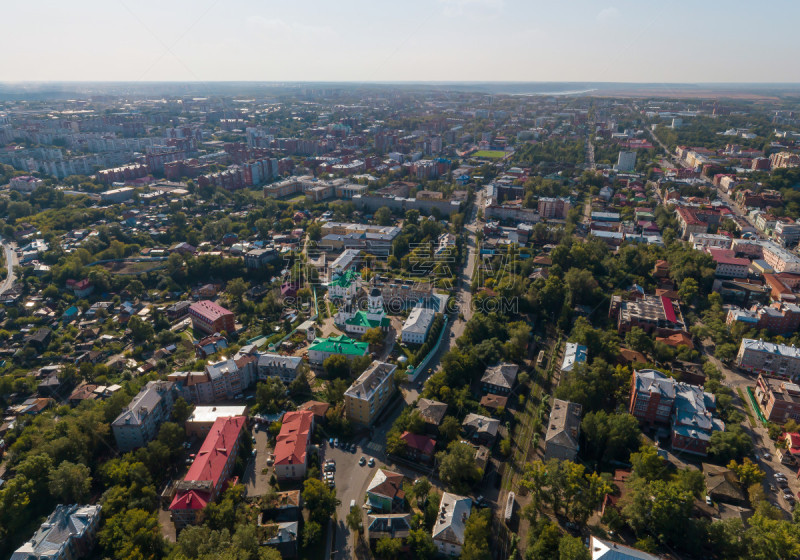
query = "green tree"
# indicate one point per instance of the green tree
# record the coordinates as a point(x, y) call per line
point(421, 489)
point(70, 482)
point(748, 472)
point(236, 288)
point(688, 290)
point(314, 231)
point(336, 366)
point(476, 536)
point(637, 339)
point(320, 501)
point(383, 216)
point(457, 466)
point(312, 532)
point(388, 548)
point(610, 437)
point(141, 330)
point(271, 395)
point(658, 508)
point(729, 445)
point(133, 533)
point(647, 464)
point(181, 410)
point(571, 548)
point(373, 336)
point(354, 519)
point(449, 428)
point(421, 544)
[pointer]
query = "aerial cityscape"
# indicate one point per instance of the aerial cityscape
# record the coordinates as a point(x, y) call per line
point(379, 314)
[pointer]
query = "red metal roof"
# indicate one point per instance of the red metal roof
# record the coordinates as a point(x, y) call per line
point(209, 310)
point(423, 444)
point(210, 461)
point(668, 309)
point(292, 441)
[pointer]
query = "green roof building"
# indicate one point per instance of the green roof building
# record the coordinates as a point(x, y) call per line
point(345, 285)
point(321, 348)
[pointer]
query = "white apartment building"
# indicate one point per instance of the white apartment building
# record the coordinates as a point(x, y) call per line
point(416, 327)
point(285, 368)
point(757, 356)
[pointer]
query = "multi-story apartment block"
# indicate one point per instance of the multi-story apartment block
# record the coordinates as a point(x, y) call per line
point(368, 394)
point(689, 411)
point(230, 377)
point(285, 368)
point(784, 159)
point(24, 183)
point(212, 466)
point(695, 220)
point(779, 360)
point(778, 318)
point(397, 292)
point(786, 233)
point(211, 318)
point(780, 259)
point(778, 399)
point(703, 241)
point(728, 265)
point(653, 314)
point(553, 207)
point(139, 422)
point(67, 534)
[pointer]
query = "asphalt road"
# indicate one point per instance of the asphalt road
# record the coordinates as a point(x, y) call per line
point(11, 263)
point(760, 437)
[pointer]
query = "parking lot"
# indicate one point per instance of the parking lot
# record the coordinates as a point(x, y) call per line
point(351, 484)
point(256, 482)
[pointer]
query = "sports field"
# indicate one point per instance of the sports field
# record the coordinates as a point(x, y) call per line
point(490, 154)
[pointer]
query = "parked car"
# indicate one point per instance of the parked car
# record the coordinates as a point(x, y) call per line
point(336, 442)
point(371, 462)
point(362, 461)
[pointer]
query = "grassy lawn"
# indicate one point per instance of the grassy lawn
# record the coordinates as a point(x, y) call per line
point(490, 154)
point(746, 404)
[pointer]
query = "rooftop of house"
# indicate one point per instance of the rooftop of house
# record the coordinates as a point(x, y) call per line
point(501, 375)
point(52, 538)
point(432, 412)
point(451, 519)
point(292, 440)
point(565, 424)
point(143, 403)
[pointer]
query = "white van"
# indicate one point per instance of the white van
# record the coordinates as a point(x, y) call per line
point(352, 504)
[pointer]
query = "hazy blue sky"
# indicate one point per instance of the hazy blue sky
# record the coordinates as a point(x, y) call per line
point(374, 40)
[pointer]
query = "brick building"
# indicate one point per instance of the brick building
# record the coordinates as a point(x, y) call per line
point(211, 318)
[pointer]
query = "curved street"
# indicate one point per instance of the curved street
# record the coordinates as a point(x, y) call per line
point(11, 263)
